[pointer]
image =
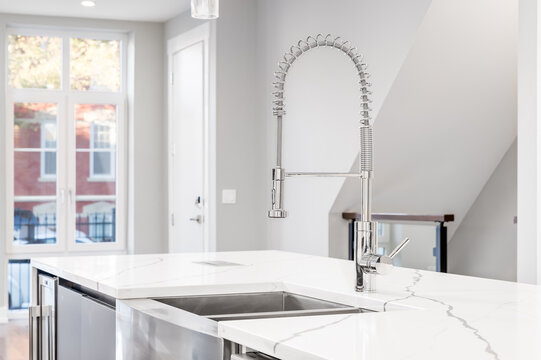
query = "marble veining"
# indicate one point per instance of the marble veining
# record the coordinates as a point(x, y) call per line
point(303, 332)
point(466, 325)
point(418, 276)
point(419, 314)
point(449, 311)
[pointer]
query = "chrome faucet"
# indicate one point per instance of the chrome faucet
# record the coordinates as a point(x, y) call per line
point(368, 262)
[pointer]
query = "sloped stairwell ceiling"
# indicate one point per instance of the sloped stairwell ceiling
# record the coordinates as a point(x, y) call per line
point(449, 117)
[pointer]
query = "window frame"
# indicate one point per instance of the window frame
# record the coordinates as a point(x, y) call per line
point(66, 98)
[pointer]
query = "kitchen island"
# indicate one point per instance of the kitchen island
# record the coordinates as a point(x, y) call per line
point(417, 314)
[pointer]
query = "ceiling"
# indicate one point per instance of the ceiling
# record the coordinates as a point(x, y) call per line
point(137, 10)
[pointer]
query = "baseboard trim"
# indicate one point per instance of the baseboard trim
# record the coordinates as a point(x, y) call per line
point(17, 314)
point(3, 315)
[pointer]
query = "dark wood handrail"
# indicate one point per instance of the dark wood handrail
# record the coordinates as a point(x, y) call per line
point(401, 217)
point(440, 250)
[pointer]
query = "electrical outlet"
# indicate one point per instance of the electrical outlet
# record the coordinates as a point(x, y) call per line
point(229, 196)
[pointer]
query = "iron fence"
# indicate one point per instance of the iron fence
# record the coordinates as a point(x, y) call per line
point(32, 229)
point(94, 227)
point(98, 227)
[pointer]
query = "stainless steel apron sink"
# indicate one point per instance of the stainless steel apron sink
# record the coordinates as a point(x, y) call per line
point(256, 306)
point(186, 327)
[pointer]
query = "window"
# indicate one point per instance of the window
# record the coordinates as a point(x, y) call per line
point(18, 284)
point(65, 140)
point(101, 160)
point(91, 75)
point(48, 142)
point(66, 137)
point(34, 159)
point(101, 122)
point(34, 61)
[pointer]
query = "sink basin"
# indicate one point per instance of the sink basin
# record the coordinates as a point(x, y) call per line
point(186, 327)
point(257, 305)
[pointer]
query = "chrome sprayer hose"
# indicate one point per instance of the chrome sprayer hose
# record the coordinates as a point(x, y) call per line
point(320, 40)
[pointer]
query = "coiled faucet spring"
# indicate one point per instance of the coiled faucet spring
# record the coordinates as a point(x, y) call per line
point(311, 42)
point(320, 40)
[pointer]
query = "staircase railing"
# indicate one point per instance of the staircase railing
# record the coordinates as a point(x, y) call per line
point(440, 249)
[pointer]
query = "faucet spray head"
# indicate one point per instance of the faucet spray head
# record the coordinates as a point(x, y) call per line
point(278, 176)
point(277, 214)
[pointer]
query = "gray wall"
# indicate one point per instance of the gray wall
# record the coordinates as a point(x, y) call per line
point(240, 135)
point(239, 131)
point(146, 128)
point(485, 244)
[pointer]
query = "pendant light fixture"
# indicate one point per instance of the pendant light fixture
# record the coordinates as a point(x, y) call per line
point(205, 9)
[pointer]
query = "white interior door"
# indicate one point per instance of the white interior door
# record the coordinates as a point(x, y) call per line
point(187, 123)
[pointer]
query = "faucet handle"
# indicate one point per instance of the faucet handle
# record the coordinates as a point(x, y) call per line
point(399, 248)
point(384, 263)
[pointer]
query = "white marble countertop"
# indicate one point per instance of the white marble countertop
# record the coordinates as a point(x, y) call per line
point(420, 315)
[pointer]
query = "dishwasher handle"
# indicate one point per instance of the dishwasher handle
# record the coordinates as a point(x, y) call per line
point(40, 312)
point(33, 313)
point(47, 313)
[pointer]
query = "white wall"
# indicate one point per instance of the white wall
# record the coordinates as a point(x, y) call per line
point(485, 243)
point(178, 25)
point(320, 128)
point(528, 202)
point(147, 159)
point(449, 117)
point(240, 138)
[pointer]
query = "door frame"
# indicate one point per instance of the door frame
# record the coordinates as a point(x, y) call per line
point(205, 33)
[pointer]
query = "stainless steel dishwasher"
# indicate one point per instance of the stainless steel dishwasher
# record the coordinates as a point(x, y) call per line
point(86, 326)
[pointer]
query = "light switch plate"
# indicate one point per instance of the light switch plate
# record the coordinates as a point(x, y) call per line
point(229, 196)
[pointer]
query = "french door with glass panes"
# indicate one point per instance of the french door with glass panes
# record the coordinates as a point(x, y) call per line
point(65, 142)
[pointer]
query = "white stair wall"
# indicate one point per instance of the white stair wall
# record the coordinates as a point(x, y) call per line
point(449, 117)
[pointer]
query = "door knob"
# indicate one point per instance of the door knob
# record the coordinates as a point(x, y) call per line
point(198, 219)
